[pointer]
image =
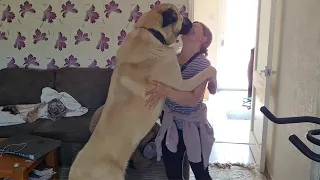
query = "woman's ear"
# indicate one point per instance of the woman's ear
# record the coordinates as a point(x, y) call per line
point(203, 39)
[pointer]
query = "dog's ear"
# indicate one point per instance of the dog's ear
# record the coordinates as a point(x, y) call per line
point(169, 16)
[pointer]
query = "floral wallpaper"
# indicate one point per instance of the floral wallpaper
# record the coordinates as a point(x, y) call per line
point(50, 34)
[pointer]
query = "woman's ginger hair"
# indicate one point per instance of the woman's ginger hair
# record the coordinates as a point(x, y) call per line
point(208, 34)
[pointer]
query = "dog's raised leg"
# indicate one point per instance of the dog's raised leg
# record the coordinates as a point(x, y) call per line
point(168, 72)
point(175, 80)
point(184, 85)
point(194, 82)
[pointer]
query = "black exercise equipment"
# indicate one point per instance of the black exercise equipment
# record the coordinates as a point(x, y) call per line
point(293, 138)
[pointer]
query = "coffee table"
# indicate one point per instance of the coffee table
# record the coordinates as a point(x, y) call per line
point(7, 162)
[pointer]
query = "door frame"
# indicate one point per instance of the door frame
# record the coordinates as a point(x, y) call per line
point(263, 83)
point(215, 21)
point(191, 9)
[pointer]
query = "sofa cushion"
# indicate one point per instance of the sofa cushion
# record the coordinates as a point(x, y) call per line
point(27, 128)
point(89, 86)
point(67, 129)
point(23, 86)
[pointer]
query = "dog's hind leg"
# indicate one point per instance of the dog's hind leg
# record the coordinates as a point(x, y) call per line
point(97, 172)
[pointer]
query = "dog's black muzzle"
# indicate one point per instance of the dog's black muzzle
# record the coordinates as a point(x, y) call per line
point(186, 26)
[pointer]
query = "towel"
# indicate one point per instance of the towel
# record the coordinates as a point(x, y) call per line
point(73, 106)
point(40, 110)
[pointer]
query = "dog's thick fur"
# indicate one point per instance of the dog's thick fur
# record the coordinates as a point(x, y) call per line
point(125, 119)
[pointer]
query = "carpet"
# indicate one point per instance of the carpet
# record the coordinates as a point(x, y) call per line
point(156, 172)
point(238, 114)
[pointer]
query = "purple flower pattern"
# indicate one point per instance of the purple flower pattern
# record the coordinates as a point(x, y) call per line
point(81, 36)
point(135, 14)
point(20, 42)
point(68, 7)
point(48, 15)
point(26, 7)
point(12, 63)
point(52, 65)
point(183, 11)
point(93, 64)
point(157, 3)
point(92, 15)
point(71, 61)
point(8, 15)
point(61, 42)
point(103, 43)
point(3, 36)
point(112, 7)
point(111, 63)
point(30, 60)
point(122, 36)
point(38, 36)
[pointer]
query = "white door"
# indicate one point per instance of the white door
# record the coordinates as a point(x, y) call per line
point(262, 80)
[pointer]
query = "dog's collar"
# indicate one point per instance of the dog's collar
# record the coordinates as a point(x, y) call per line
point(157, 35)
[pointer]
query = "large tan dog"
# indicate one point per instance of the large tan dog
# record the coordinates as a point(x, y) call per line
point(145, 55)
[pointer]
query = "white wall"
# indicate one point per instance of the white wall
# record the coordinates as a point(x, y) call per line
point(208, 12)
point(298, 85)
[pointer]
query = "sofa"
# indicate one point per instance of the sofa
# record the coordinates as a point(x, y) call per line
point(24, 86)
point(89, 86)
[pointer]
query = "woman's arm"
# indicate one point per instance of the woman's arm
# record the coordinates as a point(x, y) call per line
point(187, 98)
point(192, 98)
point(184, 98)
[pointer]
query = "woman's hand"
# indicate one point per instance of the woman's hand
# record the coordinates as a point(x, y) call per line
point(212, 86)
point(160, 91)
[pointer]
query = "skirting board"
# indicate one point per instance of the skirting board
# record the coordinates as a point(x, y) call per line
point(267, 173)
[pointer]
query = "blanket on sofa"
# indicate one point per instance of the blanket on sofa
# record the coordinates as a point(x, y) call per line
point(53, 105)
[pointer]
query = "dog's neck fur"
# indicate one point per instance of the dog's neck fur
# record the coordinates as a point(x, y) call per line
point(153, 26)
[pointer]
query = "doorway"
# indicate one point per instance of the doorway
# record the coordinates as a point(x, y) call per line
point(232, 67)
point(230, 109)
point(239, 37)
point(233, 24)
